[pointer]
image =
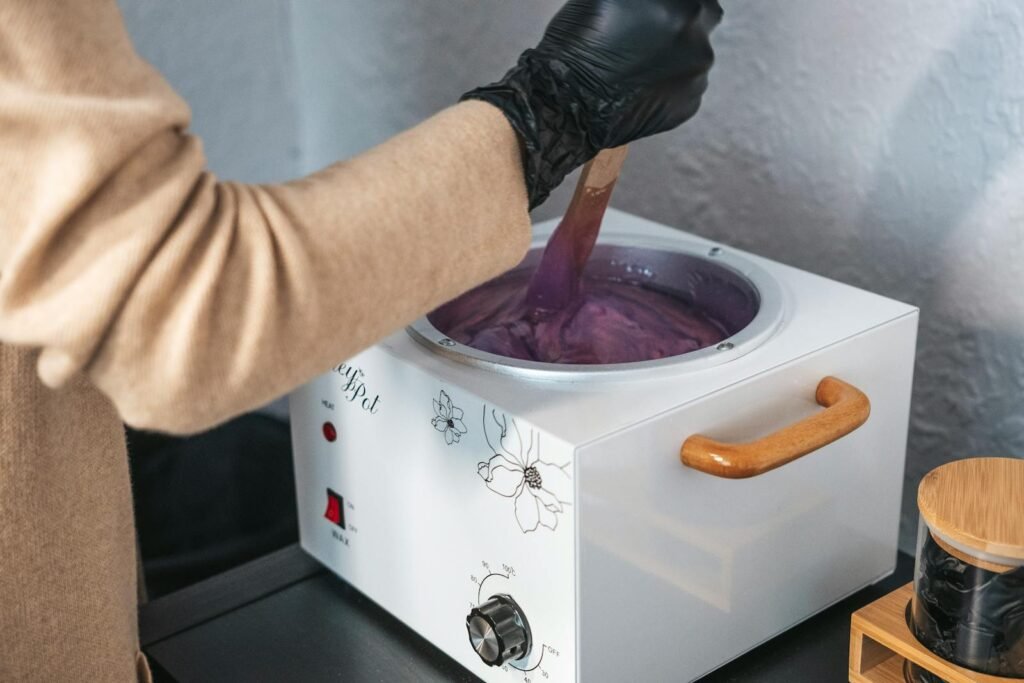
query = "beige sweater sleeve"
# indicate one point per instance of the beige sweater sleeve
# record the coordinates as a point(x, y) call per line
point(188, 300)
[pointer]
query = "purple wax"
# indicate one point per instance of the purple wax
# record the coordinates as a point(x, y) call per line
point(607, 320)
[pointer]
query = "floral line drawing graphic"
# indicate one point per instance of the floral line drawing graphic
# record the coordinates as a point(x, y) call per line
point(540, 489)
point(448, 419)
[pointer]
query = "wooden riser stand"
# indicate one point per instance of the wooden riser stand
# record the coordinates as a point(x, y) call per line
point(881, 641)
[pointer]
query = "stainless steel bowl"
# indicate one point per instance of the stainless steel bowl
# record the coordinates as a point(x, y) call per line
point(731, 288)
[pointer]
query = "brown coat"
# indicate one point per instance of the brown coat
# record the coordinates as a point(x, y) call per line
point(134, 285)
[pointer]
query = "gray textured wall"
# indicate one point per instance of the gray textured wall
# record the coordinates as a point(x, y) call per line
point(878, 142)
point(233, 61)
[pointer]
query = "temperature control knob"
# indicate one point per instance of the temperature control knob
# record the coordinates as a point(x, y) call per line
point(498, 631)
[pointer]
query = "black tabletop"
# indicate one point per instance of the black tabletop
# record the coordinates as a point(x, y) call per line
point(284, 618)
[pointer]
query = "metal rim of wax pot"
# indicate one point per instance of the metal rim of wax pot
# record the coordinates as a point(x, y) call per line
point(719, 260)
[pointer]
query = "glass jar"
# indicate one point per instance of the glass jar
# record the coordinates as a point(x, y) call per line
point(968, 602)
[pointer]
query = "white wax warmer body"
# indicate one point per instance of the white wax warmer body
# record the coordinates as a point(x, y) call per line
point(626, 564)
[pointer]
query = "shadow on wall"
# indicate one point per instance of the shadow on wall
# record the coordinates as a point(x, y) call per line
point(951, 142)
point(367, 71)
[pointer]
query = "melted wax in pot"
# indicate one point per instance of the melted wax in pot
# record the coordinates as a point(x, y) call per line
point(606, 321)
point(562, 315)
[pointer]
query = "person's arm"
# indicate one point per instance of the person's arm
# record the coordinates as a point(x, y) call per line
point(188, 300)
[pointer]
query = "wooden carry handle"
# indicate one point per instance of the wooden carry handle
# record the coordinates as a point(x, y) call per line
point(846, 409)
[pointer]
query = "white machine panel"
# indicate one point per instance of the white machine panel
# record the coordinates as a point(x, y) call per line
point(430, 500)
point(713, 567)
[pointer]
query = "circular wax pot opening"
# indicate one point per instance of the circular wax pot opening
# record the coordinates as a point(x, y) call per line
point(739, 298)
point(968, 604)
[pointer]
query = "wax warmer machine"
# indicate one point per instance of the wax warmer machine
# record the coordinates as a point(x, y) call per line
point(646, 521)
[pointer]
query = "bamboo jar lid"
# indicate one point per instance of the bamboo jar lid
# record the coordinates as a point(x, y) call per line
point(977, 504)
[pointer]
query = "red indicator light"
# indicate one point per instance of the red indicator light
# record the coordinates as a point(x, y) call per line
point(330, 433)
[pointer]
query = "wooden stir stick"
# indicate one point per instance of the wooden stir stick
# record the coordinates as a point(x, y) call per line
point(556, 280)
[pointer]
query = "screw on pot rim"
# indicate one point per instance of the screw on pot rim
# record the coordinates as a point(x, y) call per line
point(977, 506)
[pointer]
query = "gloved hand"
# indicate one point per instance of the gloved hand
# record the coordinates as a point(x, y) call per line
point(607, 72)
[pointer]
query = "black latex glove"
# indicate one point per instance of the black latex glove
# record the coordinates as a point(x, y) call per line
point(607, 72)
